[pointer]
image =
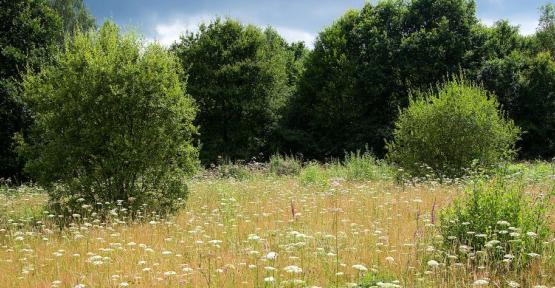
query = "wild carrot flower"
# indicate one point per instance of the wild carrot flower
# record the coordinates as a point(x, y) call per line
point(433, 263)
point(293, 269)
point(480, 282)
point(271, 256)
point(360, 267)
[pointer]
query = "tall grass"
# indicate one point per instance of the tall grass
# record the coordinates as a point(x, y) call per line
point(359, 166)
point(315, 229)
point(499, 221)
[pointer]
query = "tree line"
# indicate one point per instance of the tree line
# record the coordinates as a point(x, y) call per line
point(256, 94)
point(31, 34)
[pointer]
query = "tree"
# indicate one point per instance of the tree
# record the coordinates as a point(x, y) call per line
point(112, 124)
point(446, 132)
point(363, 67)
point(524, 86)
point(545, 34)
point(438, 37)
point(238, 75)
point(516, 70)
point(536, 113)
point(74, 14)
point(29, 32)
point(295, 62)
point(503, 76)
point(319, 113)
point(495, 42)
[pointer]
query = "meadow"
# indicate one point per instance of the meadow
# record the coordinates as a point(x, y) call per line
point(280, 226)
point(131, 162)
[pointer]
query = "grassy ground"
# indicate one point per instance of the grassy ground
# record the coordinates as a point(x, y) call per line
point(262, 231)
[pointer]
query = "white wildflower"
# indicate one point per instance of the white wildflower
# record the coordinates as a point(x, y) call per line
point(271, 256)
point(532, 234)
point(389, 259)
point(360, 267)
point(293, 269)
point(433, 263)
point(480, 282)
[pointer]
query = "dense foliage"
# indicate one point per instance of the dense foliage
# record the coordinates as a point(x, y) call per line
point(446, 132)
point(363, 66)
point(258, 95)
point(545, 36)
point(74, 14)
point(112, 123)
point(102, 122)
point(241, 78)
point(29, 31)
point(497, 220)
point(525, 86)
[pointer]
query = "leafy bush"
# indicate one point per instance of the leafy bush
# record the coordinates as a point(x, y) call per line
point(499, 219)
point(451, 130)
point(532, 172)
point(112, 124)
point(314, 174)
point(284, 165)
point(364, 166)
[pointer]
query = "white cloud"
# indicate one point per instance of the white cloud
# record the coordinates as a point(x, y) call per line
point(168, 32)
point(296, 35)
point(527, 25)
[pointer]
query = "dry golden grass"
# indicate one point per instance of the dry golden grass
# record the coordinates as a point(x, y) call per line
point(227, 233)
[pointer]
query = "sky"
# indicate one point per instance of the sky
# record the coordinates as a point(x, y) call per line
point(296, 20)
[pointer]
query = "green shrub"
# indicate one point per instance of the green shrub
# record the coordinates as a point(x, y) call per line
point(284, 165)
point(498, 218)
point(112, 123)
point(448, 131)
point(314, 174)
point(532, 172)
point(364, 166)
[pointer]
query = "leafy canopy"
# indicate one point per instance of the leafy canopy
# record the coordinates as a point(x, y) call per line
point(112, 122)
point(363, 66)
point(241, 78)
point(74, 15)
point(545, 34)
point(29, 32)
